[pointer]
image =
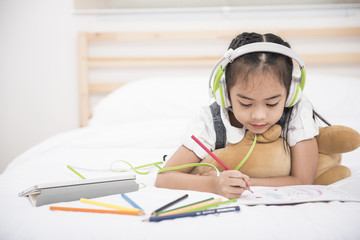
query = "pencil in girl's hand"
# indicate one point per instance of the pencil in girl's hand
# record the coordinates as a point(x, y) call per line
point(216, 158)
point(209, 152)
point(248, 185)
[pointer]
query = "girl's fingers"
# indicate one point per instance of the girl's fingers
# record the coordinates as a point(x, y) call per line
point(237, 183)
point(238, 175)
point(232, 174)
point(233, 183)
point(247, 184)
point(234, 195)
point(247, 180)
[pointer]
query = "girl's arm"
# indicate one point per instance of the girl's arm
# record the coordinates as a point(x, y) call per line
point(230, 184)
point(304, 162)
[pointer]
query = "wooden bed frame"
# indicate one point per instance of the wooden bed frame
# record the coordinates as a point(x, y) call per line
point(86, 62)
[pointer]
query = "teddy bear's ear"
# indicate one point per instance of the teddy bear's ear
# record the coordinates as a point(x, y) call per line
point(270, 135)
point(337, 139)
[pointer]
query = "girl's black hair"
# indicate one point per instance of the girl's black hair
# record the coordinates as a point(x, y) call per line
point(265, 62)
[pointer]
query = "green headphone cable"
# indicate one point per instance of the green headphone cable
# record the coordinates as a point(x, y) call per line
point(210, 165)
point(156, 164)
point(189, 165)
point(248, 154)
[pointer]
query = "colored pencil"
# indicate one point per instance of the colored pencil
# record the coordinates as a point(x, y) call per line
point(169, 204)
point(132, 203)
point(209, 152)
point(120, 208)
point(185, 209)
point(92, 210)
point(157, 214)
point(211, 206)
point(194, 214)
point(216, 158)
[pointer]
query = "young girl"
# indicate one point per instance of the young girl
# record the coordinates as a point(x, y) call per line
point(258, 92)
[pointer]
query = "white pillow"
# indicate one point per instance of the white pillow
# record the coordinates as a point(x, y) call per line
point(336, 99)
point(152, 99)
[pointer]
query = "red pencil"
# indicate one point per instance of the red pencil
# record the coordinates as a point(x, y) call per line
point(215, 157)
point(209, 152)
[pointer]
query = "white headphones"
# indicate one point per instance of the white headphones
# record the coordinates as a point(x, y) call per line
point(217, 83)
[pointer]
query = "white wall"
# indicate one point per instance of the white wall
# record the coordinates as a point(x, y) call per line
point(37, 73)
point(38, 57)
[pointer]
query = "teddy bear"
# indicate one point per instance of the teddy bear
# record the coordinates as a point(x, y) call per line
point(271, 154)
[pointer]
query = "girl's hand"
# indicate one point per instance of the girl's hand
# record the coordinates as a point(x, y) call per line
point(232, 183)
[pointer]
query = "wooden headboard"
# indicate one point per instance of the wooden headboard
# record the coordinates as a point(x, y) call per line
point(88, 62)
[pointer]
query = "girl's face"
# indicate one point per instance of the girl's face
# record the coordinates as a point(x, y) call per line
point(259, 103)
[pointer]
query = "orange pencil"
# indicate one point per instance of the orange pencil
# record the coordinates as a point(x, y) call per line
point(93, 210)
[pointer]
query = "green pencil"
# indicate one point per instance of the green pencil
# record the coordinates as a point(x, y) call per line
point(210, 206)
point(157, 214)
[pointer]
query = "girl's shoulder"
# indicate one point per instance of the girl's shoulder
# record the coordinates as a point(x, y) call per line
point(201, 126)
point(302, 125)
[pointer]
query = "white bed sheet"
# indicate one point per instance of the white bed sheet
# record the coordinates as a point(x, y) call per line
point(144, 141)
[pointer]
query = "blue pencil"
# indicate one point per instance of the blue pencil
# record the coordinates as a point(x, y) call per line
point(194, 214)
point(131, 201)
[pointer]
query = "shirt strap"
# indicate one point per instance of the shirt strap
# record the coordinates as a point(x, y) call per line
point(220, 130)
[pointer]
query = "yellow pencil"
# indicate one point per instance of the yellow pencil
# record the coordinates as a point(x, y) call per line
point(181, 210)
point(120, 208)
point(92, 210)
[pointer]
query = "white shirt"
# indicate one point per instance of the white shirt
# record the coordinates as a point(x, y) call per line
point(302, 126)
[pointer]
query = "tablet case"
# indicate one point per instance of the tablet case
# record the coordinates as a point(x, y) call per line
point(43, 194)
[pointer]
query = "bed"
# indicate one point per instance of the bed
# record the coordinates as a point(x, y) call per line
point(141, 120)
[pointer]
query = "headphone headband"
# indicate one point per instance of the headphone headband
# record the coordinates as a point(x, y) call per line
point(231, 54)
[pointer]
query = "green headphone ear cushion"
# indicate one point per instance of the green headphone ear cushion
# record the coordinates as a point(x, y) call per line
point(217, 90)
point(217, 78)
point(303, 79)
